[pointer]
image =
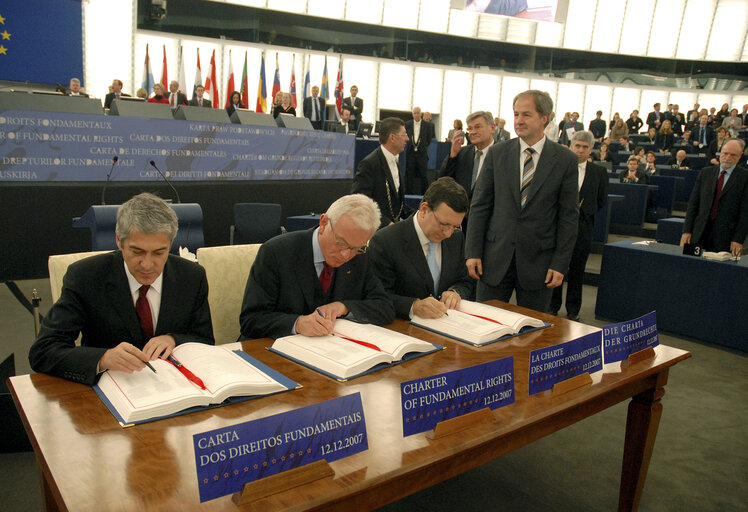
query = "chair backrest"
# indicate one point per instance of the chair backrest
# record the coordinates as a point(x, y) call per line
point(227, 269)
point(256, 223)
point(58, 264)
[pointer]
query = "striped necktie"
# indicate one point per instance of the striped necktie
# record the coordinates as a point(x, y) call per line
point(528, 170)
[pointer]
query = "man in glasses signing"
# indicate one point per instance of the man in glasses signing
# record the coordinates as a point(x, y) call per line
point(302, 281)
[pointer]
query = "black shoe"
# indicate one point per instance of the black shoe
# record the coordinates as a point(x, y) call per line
point(574, 317)
point(554, 313)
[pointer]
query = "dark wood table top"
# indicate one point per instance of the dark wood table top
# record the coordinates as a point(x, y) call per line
point(89, 462)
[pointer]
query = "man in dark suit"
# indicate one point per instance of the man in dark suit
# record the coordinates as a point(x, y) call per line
point(176, 98)
point(655, 118)
point(355, 106)
point(416, 154)
point(574, 125)
point(634, 173)
point(302, 281)
point(593, 194)
point(702, 135)
point(717, 214)
point(314, 107)
point(198, 100)
point(598, 127)
point(421, 261)
point(379, 176)
point(131, 306)
point(115, 94)
point(499, 133)
point(524, 213)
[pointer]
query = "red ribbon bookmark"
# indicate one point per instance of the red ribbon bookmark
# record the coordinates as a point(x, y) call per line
point(184, 371)
point(362, 343)
point(484, 318)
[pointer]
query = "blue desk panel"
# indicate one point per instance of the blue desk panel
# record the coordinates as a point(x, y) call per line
point(602, 219)
point(670, 230)
point(632, 209)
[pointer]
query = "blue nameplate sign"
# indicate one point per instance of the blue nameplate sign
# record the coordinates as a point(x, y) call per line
point(561, 362)
point(229, 457)
point(623, 339)
point(426, 402)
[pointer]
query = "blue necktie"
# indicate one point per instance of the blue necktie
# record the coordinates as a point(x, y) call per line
point(433, 266)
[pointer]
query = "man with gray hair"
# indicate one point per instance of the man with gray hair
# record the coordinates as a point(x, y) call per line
point(131, 306)
point(74, 88)
point(524, 213)
point(593, 194)
point(302, 281)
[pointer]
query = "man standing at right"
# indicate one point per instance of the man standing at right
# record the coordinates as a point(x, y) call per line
point(717, 214)
point(314, 106)
point(355, 106)
point(523, 217)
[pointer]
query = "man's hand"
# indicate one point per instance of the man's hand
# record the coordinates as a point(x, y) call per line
point(124, 358)
point(475, 267)
point(333, 310)
point(553, 279)
point(451, 299)
point(160, 346)
point(736, 249)
point(429, 308)
point(314, 324)
point(685, 238)
point(457, 139)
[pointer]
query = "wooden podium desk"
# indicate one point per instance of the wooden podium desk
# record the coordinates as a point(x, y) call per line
point(88, 462)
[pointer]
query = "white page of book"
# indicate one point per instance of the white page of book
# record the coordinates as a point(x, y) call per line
point(393, 343)
point(460, 321)
point(514, 320)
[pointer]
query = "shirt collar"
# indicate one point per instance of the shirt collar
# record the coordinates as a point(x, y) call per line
point(316, 249)
point(390, 156)
point(538, 146)
point(135, 285)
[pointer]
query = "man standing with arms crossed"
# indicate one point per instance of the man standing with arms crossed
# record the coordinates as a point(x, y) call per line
point(523, 217)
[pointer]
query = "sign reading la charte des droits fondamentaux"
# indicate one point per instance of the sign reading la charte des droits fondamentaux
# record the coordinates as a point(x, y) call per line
point(558, 363)
point(229, 457)
point(48, 146)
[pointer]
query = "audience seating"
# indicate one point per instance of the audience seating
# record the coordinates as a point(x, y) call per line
point(255, 223)
point(227, 268)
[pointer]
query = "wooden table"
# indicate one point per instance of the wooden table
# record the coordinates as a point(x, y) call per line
point(88, 462)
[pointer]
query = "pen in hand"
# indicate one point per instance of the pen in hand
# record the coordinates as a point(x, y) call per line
point(151, 367)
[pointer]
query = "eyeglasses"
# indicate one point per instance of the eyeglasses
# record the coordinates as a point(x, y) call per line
point(343, 245)
point(445, 226)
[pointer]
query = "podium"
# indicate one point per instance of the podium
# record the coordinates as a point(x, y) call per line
point(102, 219)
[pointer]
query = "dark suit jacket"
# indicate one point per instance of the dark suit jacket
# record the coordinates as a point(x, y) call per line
point(461, 167)
point(541, 235)
point(594, 191)
point(96, 302)
point(230, 109)
point(634, 126)
point(110, 97)
point(731, 224)
point(206, 103)
point(374, 179)
point(309, 108)
point(643, 177)
point(501, 135)
point(598, 128)
point(664, 141)
point(564, 137)
point(181, 98)
point(710, 134)
point(424, 139)
point(283, 284)
point(356, 107)
point(401, 266)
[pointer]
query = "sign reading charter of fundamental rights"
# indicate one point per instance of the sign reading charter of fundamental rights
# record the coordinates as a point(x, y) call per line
point(426, 402)
point(229, 457)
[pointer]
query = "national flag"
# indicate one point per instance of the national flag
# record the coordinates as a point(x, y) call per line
point(262, 105)
point(292, 88)
point(245, 83)
point(276, 80)
point(182, 79)
point(198, 76)
point(339, 90)
point(147, 81)
point(230, 85)
point(307, 90)
point(324, 90)
point(211, 84)
point(165, 73)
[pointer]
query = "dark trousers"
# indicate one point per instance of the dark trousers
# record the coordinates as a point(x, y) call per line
point(575, 275)
point(533, 299)
point(416, 165)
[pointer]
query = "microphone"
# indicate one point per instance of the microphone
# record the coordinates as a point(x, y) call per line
point(109, 175)
point(167, 181)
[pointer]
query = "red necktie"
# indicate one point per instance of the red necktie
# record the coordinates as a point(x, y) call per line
point(143, 309)
point(715, 204)
point(325, 277)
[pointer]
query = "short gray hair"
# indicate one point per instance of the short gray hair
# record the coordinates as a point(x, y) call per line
point(362, 209)
point(583, 136)
point(543, 101)
point(148, 214)
point(485, 114)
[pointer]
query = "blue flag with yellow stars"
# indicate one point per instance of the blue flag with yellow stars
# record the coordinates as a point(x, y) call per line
point(41, 41)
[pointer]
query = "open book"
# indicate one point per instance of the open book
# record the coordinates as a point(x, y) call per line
point(145, 396)
point(340, 357)
point(479, 324)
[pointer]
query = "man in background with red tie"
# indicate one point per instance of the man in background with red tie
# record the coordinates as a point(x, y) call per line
point(198, 100)
point(717, 214)
point(131, 306)
point(302, 281)
point(176, 98)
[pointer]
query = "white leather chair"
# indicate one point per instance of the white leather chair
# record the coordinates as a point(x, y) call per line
point(227, 269)
point(58, 264)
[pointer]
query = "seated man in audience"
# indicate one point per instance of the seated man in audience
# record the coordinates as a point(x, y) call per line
point(131, 305)
point(633, 174)
point(679, 160)
point(650, 163)
point(686, 141)
point(302, 281)
point(198, 100)
point(624, 142)
point(74, 89)
point(421, 261)
point(115, 94)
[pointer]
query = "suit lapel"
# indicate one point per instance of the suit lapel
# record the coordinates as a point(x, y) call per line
point(511, 166)
point(118, 293)
point(304, 261)
point(412, 246)
point(394, 195)
point(543, 170)
point(731, 182)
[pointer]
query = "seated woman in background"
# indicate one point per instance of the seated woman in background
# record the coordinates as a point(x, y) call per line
point(235, 102)
point(733, 123)
point(651, 136)
point(634, 123)
point(158, 95)
point(715, 147)
point(664, 140)
point(619, 130)
point(639, 153)
point(602, 154)
point(456, 125)
point(633, 174)
point(285, 106)
point(722, 114)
